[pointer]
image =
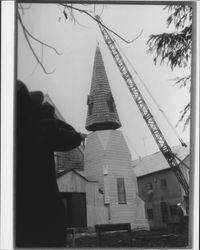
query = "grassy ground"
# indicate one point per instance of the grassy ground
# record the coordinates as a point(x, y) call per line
point(139, 239)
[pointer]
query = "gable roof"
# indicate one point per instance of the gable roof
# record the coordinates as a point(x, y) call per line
point(156, 162)
point(61, 173)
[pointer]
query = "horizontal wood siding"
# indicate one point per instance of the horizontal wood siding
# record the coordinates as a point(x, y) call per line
point(71, 182)
point(96, 212)
point(118, 158)
point(114, 153)
point(93, 158)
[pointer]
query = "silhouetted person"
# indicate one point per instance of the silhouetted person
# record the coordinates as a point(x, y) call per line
point(39, 209)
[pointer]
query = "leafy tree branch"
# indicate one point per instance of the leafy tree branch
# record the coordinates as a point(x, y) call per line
point(175, 48)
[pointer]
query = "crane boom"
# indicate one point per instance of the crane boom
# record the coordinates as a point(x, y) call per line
point(146, 113)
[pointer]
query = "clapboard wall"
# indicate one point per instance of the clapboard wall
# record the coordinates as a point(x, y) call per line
point(72, 181)
point(107, 158)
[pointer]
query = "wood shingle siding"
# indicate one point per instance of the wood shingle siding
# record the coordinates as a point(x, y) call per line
point(72, 159)
point(102, 113)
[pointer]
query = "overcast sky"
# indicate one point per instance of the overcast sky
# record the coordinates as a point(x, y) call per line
point(69, 85)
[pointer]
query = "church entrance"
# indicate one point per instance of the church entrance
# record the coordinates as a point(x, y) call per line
point(75, 209)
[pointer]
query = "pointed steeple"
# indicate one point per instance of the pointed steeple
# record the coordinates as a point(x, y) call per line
point(102, 113)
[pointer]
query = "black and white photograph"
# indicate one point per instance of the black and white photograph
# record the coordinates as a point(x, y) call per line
point(102, 125)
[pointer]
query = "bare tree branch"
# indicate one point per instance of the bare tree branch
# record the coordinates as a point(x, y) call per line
point(41, 60)
point(96, 19)
point(73, 18)
point(22, 8)
point(70, 9)
point(27, 34)
point(45, 44)
point(101, 11)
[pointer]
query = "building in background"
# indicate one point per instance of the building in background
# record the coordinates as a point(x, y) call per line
point(159, 187)
point(82, 199)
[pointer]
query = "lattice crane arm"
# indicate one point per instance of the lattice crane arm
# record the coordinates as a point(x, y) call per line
point(144, 110)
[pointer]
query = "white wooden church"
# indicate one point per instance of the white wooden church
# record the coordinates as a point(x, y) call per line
point(107, 182)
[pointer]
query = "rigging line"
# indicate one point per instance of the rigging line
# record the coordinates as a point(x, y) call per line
point(155, 115)
point(154, 100)
point(181, 161)
point(131, 144)
point(97, 39)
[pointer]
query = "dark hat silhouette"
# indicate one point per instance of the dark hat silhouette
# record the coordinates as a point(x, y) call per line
point(23, 99)
point(27, 101)
point(47, 110)
point(37, 98)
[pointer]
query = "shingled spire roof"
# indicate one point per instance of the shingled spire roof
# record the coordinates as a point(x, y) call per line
point(102, 113)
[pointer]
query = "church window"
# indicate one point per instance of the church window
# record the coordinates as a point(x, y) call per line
point(90, 108)
point(90, 104)
point(150, 196)
point(121, 191)
point(163, 183)
point(110, 102)
point(149, 186)
point(173, 210)
point(150, 213)
point(164, 211)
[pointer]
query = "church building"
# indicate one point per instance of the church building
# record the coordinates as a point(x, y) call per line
point(107, 159)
